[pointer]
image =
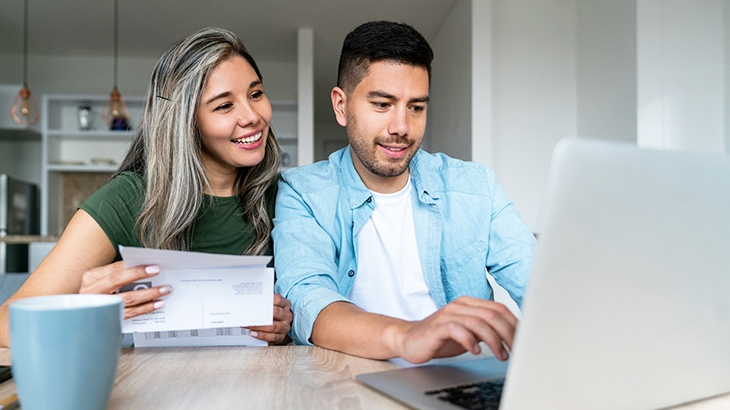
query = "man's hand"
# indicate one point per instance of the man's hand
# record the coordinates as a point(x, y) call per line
point(456, 328)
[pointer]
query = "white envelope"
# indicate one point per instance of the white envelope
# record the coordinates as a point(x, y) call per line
point(209, 290)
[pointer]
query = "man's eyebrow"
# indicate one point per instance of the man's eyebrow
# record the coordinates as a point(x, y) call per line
point(383, 94)
point(225, 94)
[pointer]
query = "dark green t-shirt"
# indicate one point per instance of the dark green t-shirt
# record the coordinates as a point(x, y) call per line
point(219, 227)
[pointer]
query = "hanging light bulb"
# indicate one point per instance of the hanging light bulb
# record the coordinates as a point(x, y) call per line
point(115, 113)
point(25, 110)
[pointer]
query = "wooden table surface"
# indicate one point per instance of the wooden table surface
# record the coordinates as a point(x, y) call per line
point(282, 377)
point(286, 377)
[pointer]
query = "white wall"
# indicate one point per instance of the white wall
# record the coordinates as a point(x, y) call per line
point(534, 93)
point(681, 74)
point(77, 74)
point(606, 72)
point(481, 81)
point(330, 138)
point(95, 75)
point(726, 60)
point(327, 136)
point(460, 111)
point(450, 107)
point(305, 97)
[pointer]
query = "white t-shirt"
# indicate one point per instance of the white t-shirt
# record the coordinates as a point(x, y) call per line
point(390, 280)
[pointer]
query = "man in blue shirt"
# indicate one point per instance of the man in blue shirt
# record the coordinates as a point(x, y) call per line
point(383, 249)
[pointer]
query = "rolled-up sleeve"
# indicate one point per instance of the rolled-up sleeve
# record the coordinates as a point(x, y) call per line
point(305, 256)
point(511, 245)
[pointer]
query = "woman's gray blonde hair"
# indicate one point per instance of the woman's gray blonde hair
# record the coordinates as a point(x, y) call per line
point(167, 147)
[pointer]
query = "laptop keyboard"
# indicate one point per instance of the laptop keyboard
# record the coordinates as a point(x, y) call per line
point(481, 395)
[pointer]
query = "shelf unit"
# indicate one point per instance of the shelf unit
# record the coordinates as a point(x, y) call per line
point(66, 149)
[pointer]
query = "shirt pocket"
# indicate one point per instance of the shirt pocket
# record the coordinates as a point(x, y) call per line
point(468, 258)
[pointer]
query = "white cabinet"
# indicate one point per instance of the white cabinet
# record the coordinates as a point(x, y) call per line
point(68, 148)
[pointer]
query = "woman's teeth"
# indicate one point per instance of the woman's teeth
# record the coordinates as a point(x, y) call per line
point(249, 140)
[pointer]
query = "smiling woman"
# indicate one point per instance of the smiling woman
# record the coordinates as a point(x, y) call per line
point(233, 120)
point(200, 175)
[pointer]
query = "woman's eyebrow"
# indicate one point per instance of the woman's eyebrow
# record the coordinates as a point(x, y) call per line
point(225, 94)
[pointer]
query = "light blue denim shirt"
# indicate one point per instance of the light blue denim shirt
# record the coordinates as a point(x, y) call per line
point(464, 222)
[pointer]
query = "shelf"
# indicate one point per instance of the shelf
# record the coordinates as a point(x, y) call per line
point(69, 170)
point(25, 239)
point(21, 135)
point(81, 168)
point(91, 134)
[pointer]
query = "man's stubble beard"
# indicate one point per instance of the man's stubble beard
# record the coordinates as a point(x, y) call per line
point(368, 157)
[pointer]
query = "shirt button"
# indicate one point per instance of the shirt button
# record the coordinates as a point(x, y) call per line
point(351, 273)
point(370, 199)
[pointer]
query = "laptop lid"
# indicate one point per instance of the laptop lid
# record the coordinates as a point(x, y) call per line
point(628, 304)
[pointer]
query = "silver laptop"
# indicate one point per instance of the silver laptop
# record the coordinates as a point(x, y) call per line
point(628, 305)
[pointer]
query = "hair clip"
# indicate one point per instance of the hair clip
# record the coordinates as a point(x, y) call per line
point(166, 99)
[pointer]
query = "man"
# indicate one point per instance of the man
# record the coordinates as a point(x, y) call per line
point(383, 249)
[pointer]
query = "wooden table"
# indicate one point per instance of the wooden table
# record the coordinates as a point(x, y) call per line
point(282, 377)
point(286, 377)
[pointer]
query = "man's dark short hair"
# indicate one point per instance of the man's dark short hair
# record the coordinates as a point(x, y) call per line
point(380, 41)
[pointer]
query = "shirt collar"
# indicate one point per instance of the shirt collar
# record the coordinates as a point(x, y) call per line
point(423, 178)
point(424, 181)
point(356, 190)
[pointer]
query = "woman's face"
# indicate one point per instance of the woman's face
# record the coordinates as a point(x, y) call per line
point(233, 117)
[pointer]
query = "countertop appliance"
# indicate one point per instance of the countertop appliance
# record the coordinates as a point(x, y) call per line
point(19, 215)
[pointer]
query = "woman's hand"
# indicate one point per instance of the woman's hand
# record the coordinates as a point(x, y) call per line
point(276, 333)
point(108, 279)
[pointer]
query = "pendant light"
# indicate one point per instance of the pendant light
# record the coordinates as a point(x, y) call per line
point(115, 113)
point(25, 110)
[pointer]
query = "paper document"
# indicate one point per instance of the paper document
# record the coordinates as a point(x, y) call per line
point(208, 290)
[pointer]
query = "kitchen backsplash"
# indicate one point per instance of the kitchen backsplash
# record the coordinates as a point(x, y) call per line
point(75, 188)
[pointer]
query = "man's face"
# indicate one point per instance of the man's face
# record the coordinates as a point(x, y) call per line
point(385, 116)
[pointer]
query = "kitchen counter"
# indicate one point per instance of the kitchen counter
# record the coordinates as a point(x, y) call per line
point(20, 239)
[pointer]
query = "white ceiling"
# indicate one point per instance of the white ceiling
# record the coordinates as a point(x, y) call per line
point(148, 27)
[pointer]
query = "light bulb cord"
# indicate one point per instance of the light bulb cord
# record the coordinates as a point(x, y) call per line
point(116, 40)
point(25, 43)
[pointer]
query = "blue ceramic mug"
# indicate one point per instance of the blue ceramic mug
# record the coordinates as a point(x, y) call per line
point(65, 349)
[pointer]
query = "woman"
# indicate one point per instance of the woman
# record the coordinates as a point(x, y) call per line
point(200, 175)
